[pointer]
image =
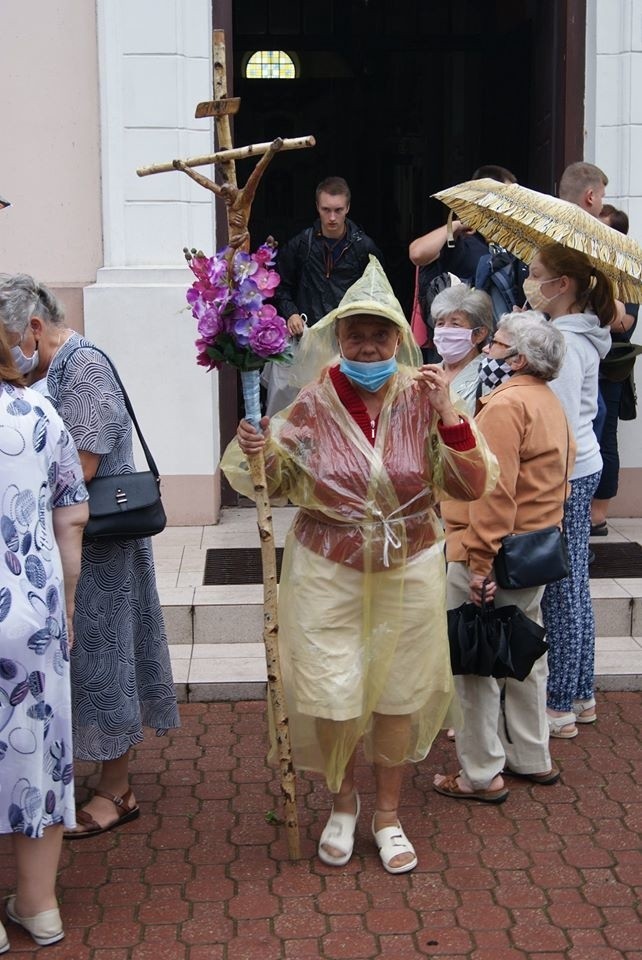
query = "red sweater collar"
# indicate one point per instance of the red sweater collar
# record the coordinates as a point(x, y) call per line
point(354, 404)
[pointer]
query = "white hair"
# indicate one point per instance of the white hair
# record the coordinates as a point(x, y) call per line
point(476, 304)
point(537, 340)
point(21, 298)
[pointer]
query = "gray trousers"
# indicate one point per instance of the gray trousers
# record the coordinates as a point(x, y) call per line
point(509, 730)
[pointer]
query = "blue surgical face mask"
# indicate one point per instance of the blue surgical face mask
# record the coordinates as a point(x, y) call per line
point(24, 364)
point(370, 376)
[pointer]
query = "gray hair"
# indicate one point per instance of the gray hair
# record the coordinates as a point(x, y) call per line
point(22, 298)
point(476, 304)
point(537, 340)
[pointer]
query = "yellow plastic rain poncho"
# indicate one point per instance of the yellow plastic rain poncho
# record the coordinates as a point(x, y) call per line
point(362, 614)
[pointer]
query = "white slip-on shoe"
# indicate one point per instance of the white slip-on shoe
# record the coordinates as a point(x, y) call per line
point(44, 928)
point(391, 842)
point(339, 833)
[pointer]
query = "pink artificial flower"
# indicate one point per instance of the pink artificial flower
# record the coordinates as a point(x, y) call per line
point(265, 255)
point(266, 280)
point(203, 358)
point(200, 267)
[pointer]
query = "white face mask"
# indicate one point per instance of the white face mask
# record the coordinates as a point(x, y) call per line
point(453, 343)
point(533, 293)
point(24, 364)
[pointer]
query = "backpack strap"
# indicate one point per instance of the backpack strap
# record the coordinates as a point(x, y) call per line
point(151, 463)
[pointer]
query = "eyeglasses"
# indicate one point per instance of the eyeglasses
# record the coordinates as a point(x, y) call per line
point(494, 342)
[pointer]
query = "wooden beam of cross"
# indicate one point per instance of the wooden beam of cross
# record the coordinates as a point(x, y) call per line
point(238, 200)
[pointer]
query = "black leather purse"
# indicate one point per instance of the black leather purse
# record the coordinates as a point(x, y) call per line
point(534, 558)
point(125, 506)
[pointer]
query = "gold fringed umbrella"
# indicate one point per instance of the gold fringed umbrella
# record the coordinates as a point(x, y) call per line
point(523, 220)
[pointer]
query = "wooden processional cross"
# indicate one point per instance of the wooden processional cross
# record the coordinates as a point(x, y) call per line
point(238, 202)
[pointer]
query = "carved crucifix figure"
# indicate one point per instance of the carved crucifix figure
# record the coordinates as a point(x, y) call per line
point(238, 200)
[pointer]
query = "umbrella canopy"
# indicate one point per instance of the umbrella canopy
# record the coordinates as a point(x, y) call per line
point(523, 220)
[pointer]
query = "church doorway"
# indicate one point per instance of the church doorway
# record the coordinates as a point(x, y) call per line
point(404, 98)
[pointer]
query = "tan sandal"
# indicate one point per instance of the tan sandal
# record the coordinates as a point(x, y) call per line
point(449, 787)
point(90, 828)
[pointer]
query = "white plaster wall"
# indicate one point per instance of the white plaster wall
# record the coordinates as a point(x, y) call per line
point(50, 160)
point(155, 66)
point(146, 328)
point(614, 139)
point(614, 101)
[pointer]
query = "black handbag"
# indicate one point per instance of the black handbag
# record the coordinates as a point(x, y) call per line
point(490, 641)
point(534, 558)
point(125, 506)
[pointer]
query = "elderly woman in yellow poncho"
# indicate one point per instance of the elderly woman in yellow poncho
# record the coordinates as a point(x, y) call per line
point(365, 451)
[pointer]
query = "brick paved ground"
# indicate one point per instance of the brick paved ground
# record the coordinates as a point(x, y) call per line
point(555, 873)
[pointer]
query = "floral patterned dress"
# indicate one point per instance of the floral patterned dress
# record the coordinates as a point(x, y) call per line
point(39, 471)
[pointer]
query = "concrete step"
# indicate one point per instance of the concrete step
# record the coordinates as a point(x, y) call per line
point(215, 632)
point(205, 672)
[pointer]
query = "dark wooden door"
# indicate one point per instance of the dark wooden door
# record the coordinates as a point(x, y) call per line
point(404, 98)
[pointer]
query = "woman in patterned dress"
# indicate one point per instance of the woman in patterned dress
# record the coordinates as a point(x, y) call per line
point(120, 670)
point(43, 512)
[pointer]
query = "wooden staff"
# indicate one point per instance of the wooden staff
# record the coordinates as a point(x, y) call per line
point(273, 663)
point(238, 204)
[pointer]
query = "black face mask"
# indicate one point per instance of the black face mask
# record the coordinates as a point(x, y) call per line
point(493, 372)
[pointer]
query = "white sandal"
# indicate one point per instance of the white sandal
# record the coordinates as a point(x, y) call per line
point(556, 726)
point(392, 842)
point(339, 833)
point(581, 706)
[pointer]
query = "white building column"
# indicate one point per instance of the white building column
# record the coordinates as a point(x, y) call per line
point(614, 142)
point(154, 67)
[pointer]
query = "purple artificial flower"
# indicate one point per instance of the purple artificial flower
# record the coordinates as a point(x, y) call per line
point(218, 270)
point(228, 297)
point(210, 324)
point(268, 336)
point(247, 297)
point(244, 321)
point(243, 266)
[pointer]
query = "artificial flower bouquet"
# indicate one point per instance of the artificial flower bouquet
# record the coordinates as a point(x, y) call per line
point(235, 324)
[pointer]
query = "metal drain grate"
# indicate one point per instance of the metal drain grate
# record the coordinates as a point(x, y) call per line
point(238, 565)
point(616, 560)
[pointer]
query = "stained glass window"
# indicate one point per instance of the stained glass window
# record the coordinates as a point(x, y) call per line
point(270, 65)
